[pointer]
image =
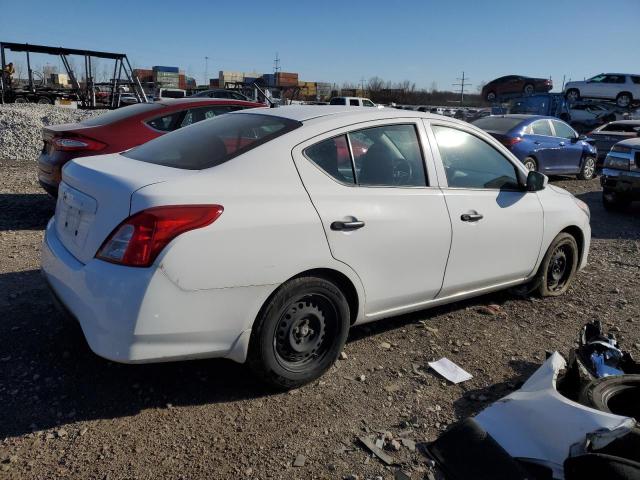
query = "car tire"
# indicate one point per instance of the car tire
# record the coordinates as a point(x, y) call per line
point(613, 201)
point(44, 101)
point(529, 89)
point(530, 164)
point(558, 267)
point(491, 97)
point(299, 333)
point(619, 394)
point(572, 95)
point(624, 99)
point(21, 100)
point(588, 169)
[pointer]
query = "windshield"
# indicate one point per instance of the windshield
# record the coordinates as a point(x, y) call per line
point(120, 114)
point(497, 124)
point(211, 142)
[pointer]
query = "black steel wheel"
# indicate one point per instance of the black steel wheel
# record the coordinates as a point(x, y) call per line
point(558, 267)
point(299, 333)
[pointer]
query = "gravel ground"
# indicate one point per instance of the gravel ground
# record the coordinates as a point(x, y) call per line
point(65, 413)
point(21, 126)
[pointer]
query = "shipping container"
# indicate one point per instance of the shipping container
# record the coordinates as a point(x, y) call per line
point(285, 79)
point(269, 79)
point(214, 82)
point(159, 68)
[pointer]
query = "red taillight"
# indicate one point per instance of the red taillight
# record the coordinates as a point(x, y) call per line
point(69, 144)
point(138, 240)
point(510, 141)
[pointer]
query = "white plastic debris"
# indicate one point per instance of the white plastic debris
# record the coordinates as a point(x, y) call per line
point(450, 370)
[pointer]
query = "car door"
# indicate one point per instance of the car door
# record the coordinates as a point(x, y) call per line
point(497, 225)
point(544, 144)
point(382, 213)
point(568, 156)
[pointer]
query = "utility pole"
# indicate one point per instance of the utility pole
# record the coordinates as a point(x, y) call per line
point(362, 80)
point(276, 64)
point(206, 71)
point(462, 84)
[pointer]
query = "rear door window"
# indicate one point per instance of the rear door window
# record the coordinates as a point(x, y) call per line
point(563, 130)
point(354, 103)
point(194, 115)
point(166, 123)
point(388, 156)
point(207, 144)
point(338, 101)
point(542, 127)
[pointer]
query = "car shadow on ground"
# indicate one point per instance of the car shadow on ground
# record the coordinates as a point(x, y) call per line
point(25, 211)
point(50, 378)
point(611, 224)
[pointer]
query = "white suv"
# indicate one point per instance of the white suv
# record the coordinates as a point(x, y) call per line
point(621, 87)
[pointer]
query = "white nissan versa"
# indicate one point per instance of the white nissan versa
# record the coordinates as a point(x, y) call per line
point(262, 236)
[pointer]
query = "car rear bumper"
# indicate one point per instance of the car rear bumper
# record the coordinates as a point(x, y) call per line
point(138, 315)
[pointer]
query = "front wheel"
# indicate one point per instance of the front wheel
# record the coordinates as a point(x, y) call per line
point(491, 97)
point(588, 170)
point(529, 89)
point(558, 267)
point(299, 333)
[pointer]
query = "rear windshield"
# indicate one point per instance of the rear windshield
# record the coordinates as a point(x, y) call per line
point(497, 124)
point(211, 142)
point(113, 116)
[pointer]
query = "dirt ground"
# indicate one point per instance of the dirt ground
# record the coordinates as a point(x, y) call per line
point(65, 413)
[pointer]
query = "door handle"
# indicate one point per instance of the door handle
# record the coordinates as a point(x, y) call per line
point(562, 144)
point(536, 143)
point(471, 217)
point(350, 225)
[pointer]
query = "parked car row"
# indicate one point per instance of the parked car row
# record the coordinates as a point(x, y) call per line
point(262, 235)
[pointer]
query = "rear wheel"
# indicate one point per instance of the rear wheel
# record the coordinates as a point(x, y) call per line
point(588, 170)
point(299, 333)
point(45, 101)
point(491, 97)
point(614, 201)
point(573, 95)
point(529, 89)
point(530, 164)
point(558, 267)
point(624, 99)
point(21, 100)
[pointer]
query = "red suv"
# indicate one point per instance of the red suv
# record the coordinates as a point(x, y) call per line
point(123, 129)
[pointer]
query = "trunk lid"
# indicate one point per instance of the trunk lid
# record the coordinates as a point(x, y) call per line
point(95, 197)
point(66, 130)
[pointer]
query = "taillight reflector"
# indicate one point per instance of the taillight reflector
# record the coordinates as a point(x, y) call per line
point(510, 141)
point(138, 240)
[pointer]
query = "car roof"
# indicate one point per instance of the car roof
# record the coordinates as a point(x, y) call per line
point(170, 102)
point(303, 113)
point(523, 116)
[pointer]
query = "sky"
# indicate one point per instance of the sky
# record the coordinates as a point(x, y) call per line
point(423, 41)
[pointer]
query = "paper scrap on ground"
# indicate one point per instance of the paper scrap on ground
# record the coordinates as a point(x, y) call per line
point(450, 371)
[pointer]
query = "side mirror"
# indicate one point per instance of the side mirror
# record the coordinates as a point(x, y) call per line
point(536, 181)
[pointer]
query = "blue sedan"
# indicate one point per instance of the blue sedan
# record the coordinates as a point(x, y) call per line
point(544, 144)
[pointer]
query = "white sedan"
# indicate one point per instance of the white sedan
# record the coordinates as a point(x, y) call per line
point(263, 235)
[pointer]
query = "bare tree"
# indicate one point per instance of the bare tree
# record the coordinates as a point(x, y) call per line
point(375, 84)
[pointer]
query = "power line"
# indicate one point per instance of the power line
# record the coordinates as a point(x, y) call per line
point(462, 84)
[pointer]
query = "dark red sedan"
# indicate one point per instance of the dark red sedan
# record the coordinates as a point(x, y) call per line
point(122, 129)
point(513, 84)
